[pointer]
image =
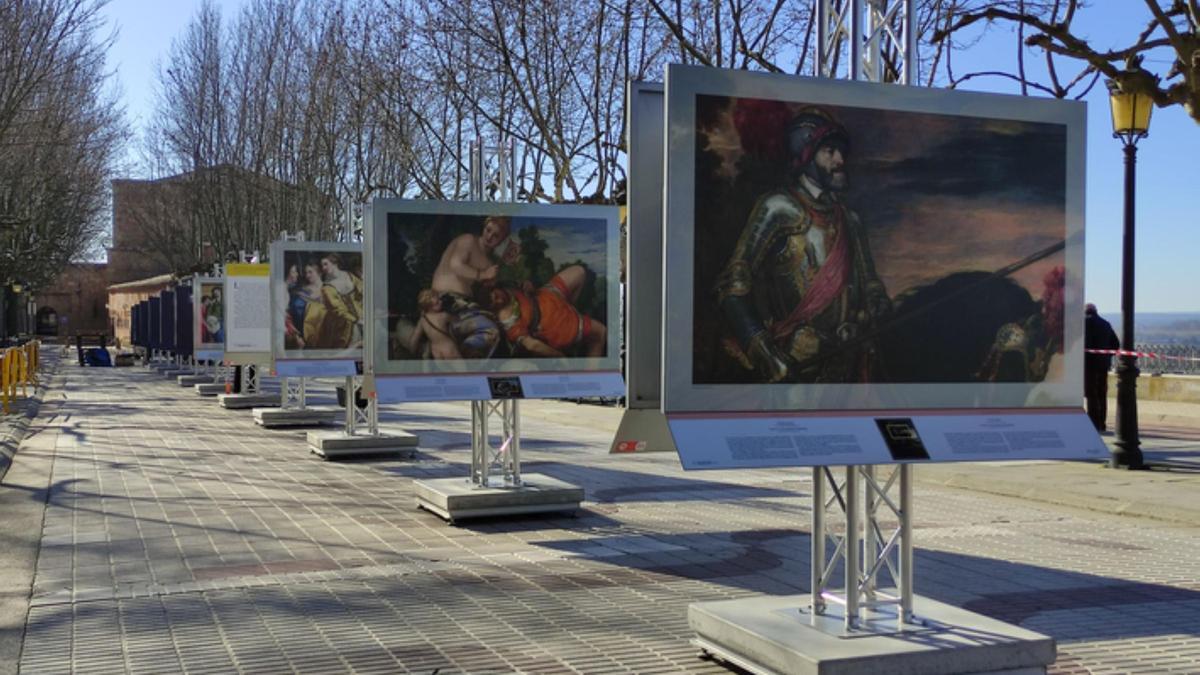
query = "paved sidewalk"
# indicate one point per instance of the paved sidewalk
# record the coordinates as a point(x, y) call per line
point(1169, 490)
point(177, 536)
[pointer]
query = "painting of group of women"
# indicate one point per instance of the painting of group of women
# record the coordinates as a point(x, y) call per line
point(324, 305)
point(212, 313)
point(484, 287)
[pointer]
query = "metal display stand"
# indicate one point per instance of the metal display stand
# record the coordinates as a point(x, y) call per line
point(862, 605)
point(860, 624)
point(360, 435)
point(496, 466)
point(250, 395)
point(293, 410)
point(199, 373)
point(643, 426)
point(221, 380)
point(495, 486)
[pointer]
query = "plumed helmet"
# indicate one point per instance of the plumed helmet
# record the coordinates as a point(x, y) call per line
point(808, 129)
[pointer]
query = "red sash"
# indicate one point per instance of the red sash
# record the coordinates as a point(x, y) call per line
point(826, 286)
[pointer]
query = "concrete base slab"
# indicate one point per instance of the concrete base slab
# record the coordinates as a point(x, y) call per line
point(456, 498)
point(193, 380)
point(210, 388)
point(336, 444)
point(172, 373)
point(293, 417)
point(779, 635)
point(246, 401)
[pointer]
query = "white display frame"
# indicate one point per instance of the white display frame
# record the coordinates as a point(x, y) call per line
point(681, 395)
point(307, 362)
point(243, 349)
point(375, 260)
point(205, 351)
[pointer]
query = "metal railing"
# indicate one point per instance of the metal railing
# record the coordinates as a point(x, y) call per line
point(18, 369)
point(1172, 359)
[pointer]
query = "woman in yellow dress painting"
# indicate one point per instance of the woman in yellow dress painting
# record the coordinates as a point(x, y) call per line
point(342, 296)
point(309, 308)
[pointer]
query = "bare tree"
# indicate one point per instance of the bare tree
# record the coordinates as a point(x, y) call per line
point(60, 131)
point(1049, 27)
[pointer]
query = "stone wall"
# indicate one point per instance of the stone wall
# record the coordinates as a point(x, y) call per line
point(76, 303)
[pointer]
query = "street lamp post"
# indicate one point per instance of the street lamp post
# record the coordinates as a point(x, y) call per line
point(1131, 105)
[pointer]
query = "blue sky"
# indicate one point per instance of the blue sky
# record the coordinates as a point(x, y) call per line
point(1168, 232)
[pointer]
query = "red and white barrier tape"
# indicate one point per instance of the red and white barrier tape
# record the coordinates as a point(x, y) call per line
point(1151, 355)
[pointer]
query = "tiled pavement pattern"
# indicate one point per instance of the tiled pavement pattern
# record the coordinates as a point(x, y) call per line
point(180, 537)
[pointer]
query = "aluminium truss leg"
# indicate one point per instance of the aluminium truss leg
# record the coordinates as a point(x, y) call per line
point(366, 419)
point(852, 562)
point(504, 459)
point(817, 541)
point(906, 545)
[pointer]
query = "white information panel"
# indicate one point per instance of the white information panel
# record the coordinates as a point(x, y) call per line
point(487, 387)
point(247, 309)
point(752, 441)
point(315, 368)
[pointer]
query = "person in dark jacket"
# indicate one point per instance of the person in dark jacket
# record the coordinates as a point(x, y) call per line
point(1097, 334)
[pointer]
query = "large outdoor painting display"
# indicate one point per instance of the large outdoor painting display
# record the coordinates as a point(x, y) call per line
point(848, 245)
point(317, 300)
point(495, 288)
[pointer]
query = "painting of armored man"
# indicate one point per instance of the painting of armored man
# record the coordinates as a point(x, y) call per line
point(493, 287)
point(852, 245)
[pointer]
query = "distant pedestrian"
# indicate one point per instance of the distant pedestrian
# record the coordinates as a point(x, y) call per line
point(1097, 334)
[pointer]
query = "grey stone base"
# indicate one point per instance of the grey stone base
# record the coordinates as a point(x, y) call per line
point(246, 401)
point(193, 380)
point(456, 498)
point(778, 635)
point(307, 417)
point(210, 388)
point(335, 444)
point(173, 373)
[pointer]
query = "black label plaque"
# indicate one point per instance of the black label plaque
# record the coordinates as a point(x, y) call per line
point(506, 387)
point(901, 438)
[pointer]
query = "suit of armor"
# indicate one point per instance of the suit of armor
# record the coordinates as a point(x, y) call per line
point(800, 291)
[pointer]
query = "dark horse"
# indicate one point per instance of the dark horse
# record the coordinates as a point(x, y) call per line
point(953, 330)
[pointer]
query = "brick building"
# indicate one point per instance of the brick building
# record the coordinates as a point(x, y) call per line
point(76, 303)
point(155, 235)
point(122, 298)
point(133, 202)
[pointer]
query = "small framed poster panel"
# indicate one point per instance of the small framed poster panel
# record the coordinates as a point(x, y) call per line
point(167, 318)
point(316, 308)
point(465, 296)
point(155, 323)
point(144, 324)
point(135, 327)
point(208, 318)
point(183, 321)
point(247, 314)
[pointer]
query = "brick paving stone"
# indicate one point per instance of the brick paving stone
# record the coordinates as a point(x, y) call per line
point(181, 537)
